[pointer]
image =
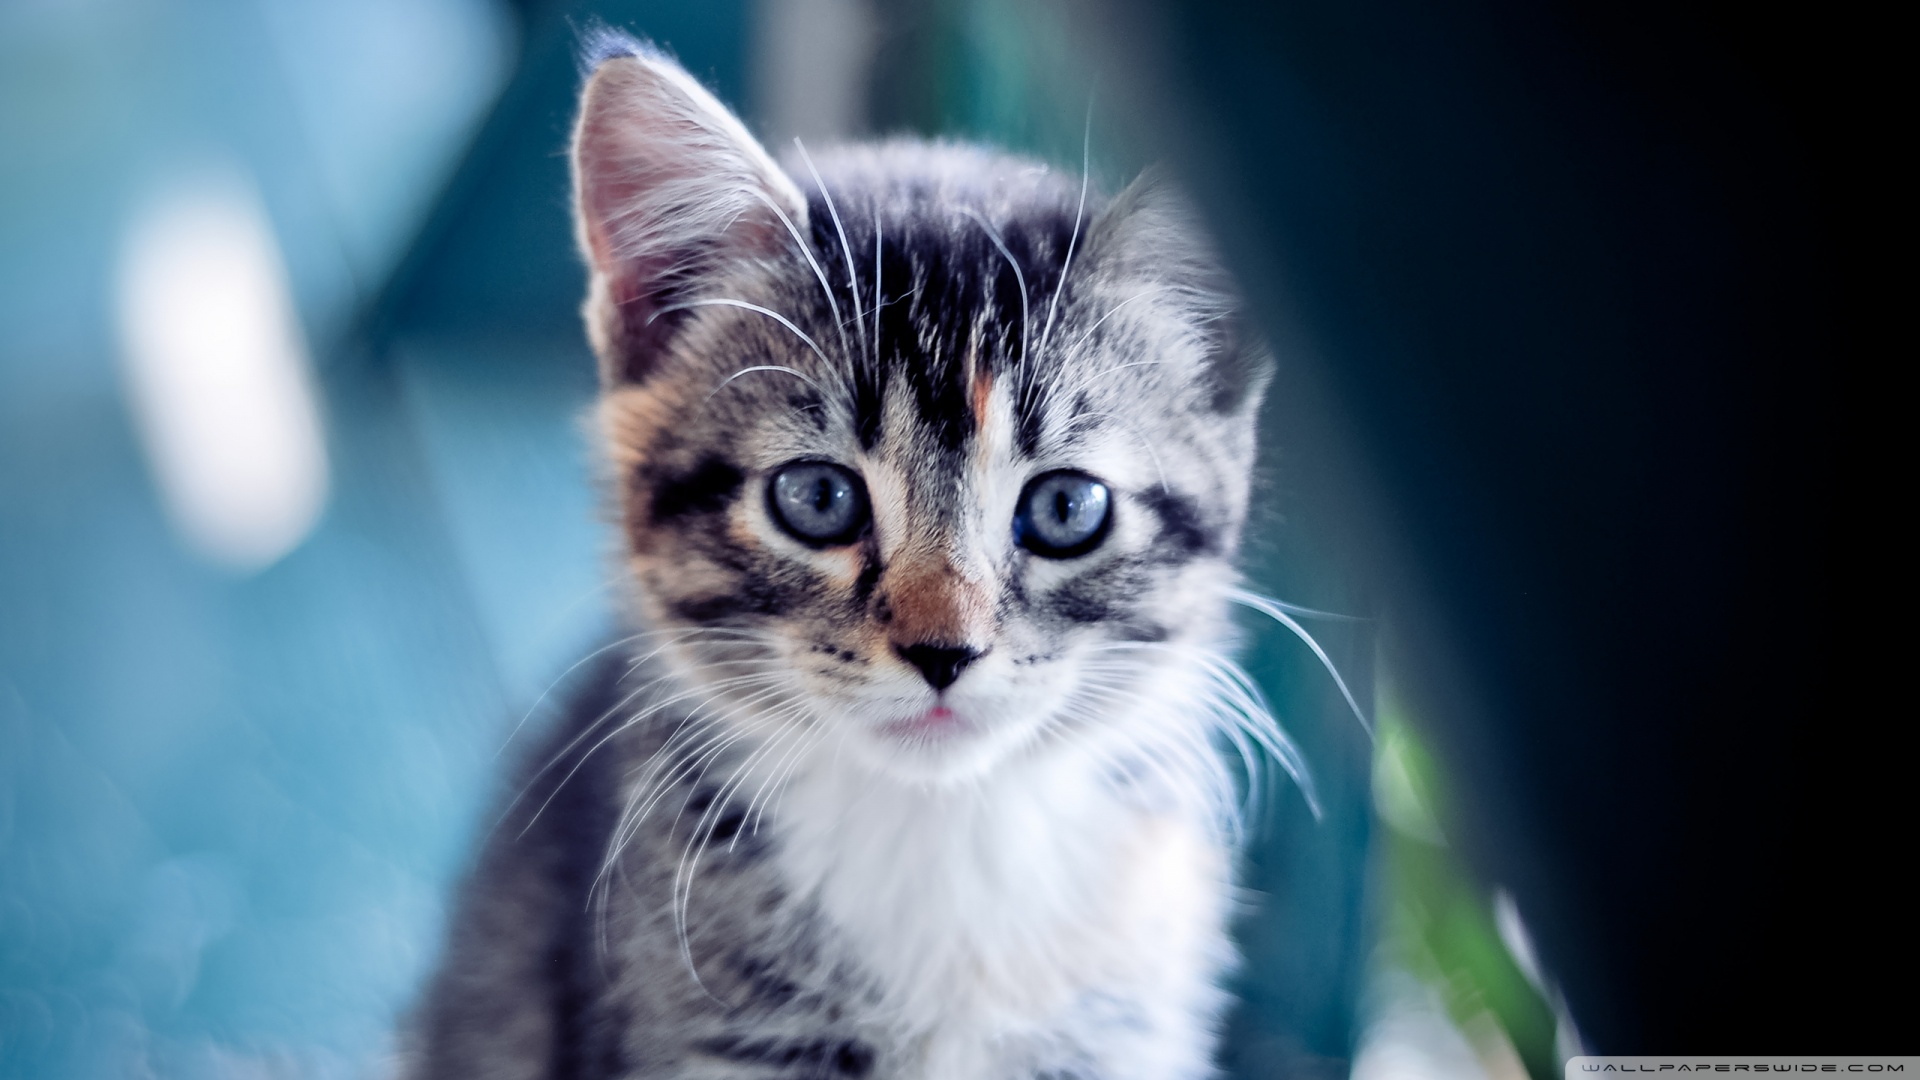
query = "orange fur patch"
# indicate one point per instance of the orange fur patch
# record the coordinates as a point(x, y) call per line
point(982, 394)
point(629, 418)
point(934, 603)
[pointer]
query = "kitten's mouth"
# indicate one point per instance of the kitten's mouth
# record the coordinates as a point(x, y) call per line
point(936, 723)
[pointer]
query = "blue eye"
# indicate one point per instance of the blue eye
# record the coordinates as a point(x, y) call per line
point(1063, 514)
point(819, 504)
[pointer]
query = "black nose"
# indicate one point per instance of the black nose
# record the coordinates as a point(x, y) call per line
point(941, 664)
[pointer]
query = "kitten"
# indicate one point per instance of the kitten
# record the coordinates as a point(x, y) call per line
point(931, 467)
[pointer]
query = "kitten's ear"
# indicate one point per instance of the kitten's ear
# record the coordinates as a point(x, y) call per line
point(1152, 234)
point(669, 190)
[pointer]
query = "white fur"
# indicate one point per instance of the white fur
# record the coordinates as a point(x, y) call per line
point(999, 914)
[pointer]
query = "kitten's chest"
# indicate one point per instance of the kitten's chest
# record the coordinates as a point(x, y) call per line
point(999, 915)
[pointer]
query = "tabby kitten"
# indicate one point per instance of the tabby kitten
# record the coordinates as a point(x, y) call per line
point(931, 468)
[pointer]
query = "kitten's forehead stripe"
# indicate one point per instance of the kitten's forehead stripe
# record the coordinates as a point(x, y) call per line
point(951, 307)
point(869, 396)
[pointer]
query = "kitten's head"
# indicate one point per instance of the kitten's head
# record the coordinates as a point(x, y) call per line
point(886, 476)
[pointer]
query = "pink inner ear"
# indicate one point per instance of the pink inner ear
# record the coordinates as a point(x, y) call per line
point(625, 152)
point(670, 185)
point(618, 162)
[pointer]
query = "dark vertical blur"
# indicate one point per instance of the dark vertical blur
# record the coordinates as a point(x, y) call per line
point(1558, 288)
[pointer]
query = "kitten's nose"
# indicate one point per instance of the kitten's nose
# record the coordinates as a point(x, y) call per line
point(941, 664)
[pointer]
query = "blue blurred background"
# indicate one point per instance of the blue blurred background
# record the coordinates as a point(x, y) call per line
point(256, 678)
point(235, 779)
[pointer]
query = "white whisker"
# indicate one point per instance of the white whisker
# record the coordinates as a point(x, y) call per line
point(1272, 609)
point(994, 235)
point(625, 725)
point(681, 896)
point(745, 306)
point(562, 677)
point(807, 252)
point(601, 651)
point(780, 769)
point(853, 284)
point(1086, 160)
point(1086, 334)
point(766, 367)
point(1237, 705)
point(717, 737)
point(1101, 373)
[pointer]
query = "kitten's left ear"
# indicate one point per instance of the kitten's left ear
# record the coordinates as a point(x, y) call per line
point(670, 191)
point(1151, 235)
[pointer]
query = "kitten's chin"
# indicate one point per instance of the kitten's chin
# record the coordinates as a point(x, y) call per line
point(938, 744)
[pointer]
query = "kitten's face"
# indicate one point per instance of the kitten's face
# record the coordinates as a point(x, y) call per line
point(941, 533)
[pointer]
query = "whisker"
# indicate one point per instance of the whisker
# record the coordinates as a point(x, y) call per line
point(691, 725)
point(785, 767)
point(667, 770)
point(1199, 760)
point(680, 927)
point(675, 759)
point(626, 725)
point(658, 783)
point(1273, 610)
point(853, 284)
point(1086, 159)
point(1236, 702)
point(682, 892)
point(994, 235)
point(1307, 612)
point(743, 305)
point(537, 702)
point(602, 650)
point(1086, 334)
point(588, 731)
point(807, 252)
point(1102, 373)
point(572, 744)
point(766, 367)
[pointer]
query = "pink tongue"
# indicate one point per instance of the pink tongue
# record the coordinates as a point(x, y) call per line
point(939, 713)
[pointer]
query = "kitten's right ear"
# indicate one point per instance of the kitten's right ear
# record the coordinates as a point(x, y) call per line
point(669, 190)
point(1152, 233)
